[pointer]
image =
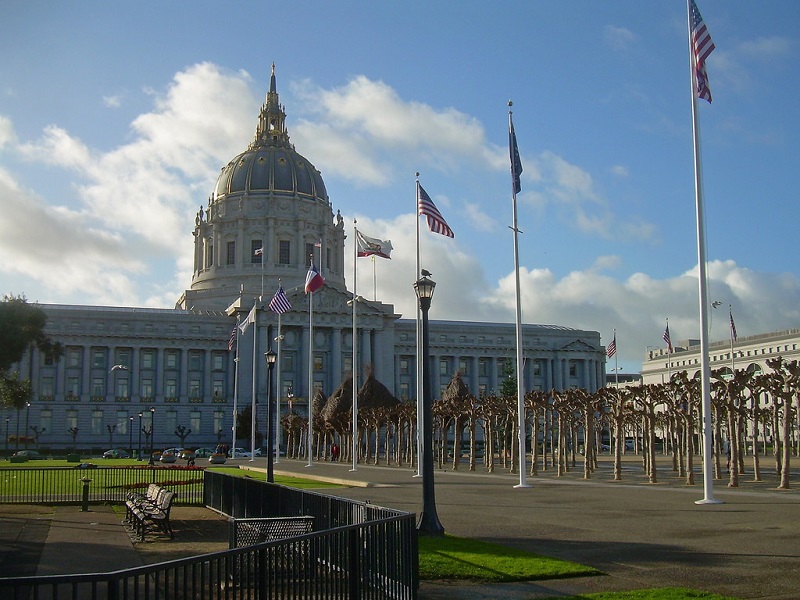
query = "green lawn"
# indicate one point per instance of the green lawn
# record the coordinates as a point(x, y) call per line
point(660, 594)
point(462, 559)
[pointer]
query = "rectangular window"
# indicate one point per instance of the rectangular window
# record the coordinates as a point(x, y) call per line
point(194, 388)
point(404, 366)
point(219, 420)
point(483, 367)
point(74, 357)
point(45, 420)
point(318, 362)
point(98, 387)
point(170, 422)
point(404, 391)
point(256, 252)
point(72, 419)
point(73, 386)
point(122, 388)
point(231, 254)
point(48, 387)
point(97, 422)
point(463, 366)
point(147, 388)
point(309, 254)
point(288, 388)
point(481, 390)
point(171, 388)
point(537, 369)
point(573, 369)
point(218, 362)
point(123, 358)
point(171, 359)
point(218, 388)
point(99, 359)
point(284, 252)
point(195, 361)
point(122, 422)
point(194, 421)
point(443, 366)
point(148, 359)
point(288, 362)
point(347, 363)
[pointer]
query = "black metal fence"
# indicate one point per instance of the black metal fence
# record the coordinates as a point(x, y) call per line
point(356, 551)
point(63, 485)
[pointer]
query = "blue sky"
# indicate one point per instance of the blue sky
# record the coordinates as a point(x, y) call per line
point(115, 119)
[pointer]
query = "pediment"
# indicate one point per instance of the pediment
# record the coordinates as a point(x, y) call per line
point(578, 346)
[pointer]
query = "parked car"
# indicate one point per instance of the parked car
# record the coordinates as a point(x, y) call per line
point(116, 453)
point(242, 453)
point(203, 452)
point(31, 454)
point(169, 456)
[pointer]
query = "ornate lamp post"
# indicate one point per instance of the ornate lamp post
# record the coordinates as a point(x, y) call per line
point(428, 523)
point(152, 432)
point(139, 451)
point(270, 357)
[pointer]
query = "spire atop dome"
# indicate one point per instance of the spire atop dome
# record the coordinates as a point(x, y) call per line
point(271, 128)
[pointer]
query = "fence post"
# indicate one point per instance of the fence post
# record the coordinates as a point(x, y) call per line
point(354, 563)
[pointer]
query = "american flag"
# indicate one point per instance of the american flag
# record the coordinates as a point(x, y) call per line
point(232, 339)
point(702, 46)
point(280, 303)
point(733, 326)
point(667, 338)
point(436, 222)
point(612, 347)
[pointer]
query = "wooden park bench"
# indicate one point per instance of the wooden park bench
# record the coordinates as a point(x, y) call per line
point(151, 512)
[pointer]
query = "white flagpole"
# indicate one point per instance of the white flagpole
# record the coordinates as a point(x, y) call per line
point(375, 276)
point(730, 327)
point(616, 364)
point(419, 348)
point(355, 443)
point(255, 384)
point(520, 364)
point(235, 384)
point(309, 442)
point(278, 339)
point(708, 475)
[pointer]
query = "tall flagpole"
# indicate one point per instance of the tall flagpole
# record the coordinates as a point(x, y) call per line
point(419, 349)
point(616, 364)
point(235, 384)
point(310, 373)
point(520, 365)
point(278, 431)
point(255, 384)
point(355, 443)
point(733, 337)
point(708, 475)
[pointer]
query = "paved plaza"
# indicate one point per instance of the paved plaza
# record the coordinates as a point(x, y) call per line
point(640, 535)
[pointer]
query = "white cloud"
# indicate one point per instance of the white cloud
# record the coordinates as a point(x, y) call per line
point(619, 38)
point(112, 101)
point(7, 134)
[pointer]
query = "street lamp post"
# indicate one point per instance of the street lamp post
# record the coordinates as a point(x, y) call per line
point(139, 451)
point(27, 422)
point(428, 523)
point(152, 432)
point(130, 435)
point(270, 357)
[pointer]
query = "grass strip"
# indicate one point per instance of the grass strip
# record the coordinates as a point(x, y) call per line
point(465, 559)
point(653, 594)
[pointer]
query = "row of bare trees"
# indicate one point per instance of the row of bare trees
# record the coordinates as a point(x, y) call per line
point(752, 413)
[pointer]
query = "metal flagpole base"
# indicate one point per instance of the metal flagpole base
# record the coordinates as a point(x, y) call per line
point(523, 485)
point(709, 501)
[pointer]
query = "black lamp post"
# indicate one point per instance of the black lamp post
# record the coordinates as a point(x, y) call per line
point(270, 357)
point(130, 435)
point(428, 523)
point(139, 451)
point(152, 432)
point(27, 422)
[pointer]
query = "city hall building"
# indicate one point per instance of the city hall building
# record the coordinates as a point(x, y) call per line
point(268, 213)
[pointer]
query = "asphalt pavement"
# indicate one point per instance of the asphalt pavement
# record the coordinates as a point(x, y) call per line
point(640, 535)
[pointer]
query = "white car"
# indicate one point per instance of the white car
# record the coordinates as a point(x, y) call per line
point(242, 453)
